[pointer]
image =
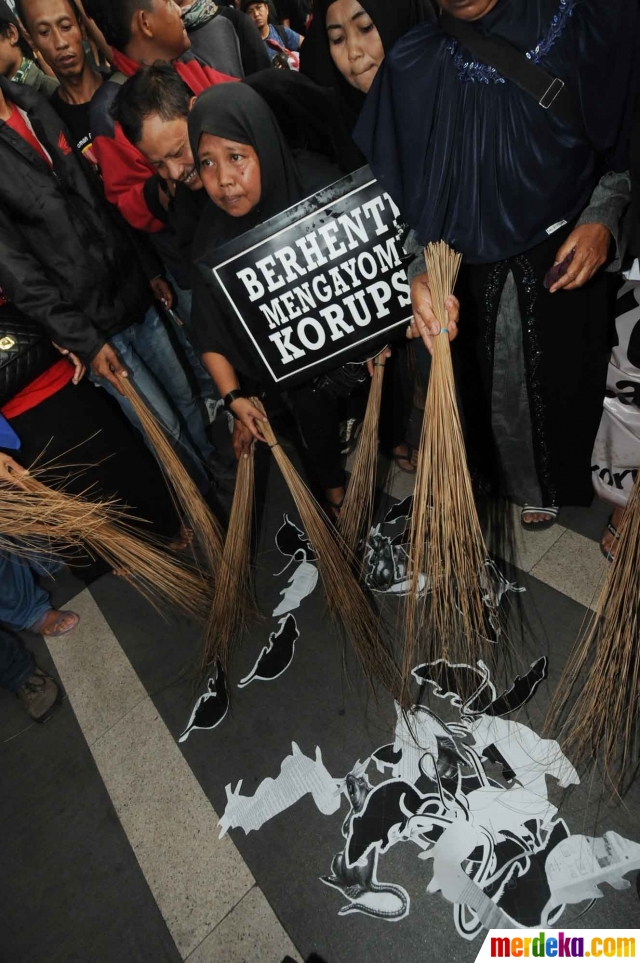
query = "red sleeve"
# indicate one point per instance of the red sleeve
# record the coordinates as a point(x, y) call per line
point(125, 172)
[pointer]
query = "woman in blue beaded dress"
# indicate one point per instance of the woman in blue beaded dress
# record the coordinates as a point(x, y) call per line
point(519, 187)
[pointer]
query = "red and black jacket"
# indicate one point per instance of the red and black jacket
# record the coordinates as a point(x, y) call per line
point(130, 182)
point(65, 259)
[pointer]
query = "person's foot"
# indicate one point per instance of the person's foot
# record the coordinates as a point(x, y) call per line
point(406, 457)
point(40, 695)
point(55, 623)
point(538, 519)
point(611, 534)
point(183, 540)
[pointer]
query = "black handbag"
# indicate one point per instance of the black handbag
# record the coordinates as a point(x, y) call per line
point(26, 352)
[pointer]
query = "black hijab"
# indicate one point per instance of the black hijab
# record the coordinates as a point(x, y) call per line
point(238, 113)
point(393, 18)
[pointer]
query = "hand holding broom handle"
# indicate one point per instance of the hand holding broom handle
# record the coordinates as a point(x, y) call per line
point(345, 599)
point(357, 509)
point(446, 541)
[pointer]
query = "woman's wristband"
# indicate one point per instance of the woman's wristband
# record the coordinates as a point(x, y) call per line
point(233, 396)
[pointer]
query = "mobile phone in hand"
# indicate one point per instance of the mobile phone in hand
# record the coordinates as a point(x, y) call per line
point(557, 271)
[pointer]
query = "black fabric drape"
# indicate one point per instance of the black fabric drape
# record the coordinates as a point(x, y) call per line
point(566, 344)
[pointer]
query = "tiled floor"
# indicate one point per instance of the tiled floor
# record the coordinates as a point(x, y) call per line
point(114, 838)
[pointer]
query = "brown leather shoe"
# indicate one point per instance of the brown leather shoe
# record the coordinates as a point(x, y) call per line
point(40, 695)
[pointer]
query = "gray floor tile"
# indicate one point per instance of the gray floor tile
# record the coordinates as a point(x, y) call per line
point(574, 566)
point(100, 681)
point(195, 877)
point(251, 932)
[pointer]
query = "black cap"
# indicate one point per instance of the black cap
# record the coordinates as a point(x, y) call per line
point(244, 6)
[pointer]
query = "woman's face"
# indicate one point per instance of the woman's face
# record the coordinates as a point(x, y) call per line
point(230, 173)
point(354, 42)
point(468, 9)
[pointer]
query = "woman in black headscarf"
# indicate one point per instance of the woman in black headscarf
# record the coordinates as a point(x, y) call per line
point(472, 158)
point(347, 42)
point(250, 175)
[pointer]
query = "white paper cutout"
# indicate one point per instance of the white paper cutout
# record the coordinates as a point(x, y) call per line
point(298, 776)
point(300, 585)
point(500, 852)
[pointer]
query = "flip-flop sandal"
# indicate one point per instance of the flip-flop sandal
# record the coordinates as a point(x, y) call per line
point(611, 528)
point(539, 510)
point(56, 632)
point(408, 457)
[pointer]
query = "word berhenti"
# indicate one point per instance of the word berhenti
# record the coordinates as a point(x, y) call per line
point(326, 287)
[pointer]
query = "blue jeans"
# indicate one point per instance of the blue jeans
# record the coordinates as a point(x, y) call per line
point(182, 307)
point(22, 600)
point(16, 664)
point(146, 351)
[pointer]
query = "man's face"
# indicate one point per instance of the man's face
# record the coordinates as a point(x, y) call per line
point(259, 13)
point(10, 56)
point(468, 9)
point(166, 144)
point(57, 35)
point(165, 22)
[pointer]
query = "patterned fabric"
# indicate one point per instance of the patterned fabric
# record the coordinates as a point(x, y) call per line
point(475, 72)
point(199, 13)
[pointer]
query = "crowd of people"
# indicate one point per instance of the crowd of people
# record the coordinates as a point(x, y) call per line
point(140, 136)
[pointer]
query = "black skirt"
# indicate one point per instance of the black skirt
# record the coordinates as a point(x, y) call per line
point(566, 340)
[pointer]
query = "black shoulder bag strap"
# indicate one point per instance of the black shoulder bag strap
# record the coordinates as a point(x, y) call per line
point(551, 93)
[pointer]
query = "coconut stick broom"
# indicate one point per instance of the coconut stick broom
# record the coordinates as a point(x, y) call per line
point(346, 601)
point(34, 516)
point(357, 509)
point(446, 541)
point(189, 502)
point(603, 721)
point(233, 601)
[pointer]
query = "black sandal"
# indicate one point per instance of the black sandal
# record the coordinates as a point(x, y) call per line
point(611, 528)
point(552, 511)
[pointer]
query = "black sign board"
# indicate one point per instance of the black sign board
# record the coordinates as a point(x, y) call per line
point(321, 284)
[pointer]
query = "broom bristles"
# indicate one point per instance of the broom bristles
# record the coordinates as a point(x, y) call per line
point(233, 601)
point(189, 502)
point(357, 509)
point(602, 722)
point(446, 541)
point(345, 599)
point(35, 517)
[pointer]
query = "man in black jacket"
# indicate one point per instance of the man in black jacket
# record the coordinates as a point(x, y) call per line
point(66, 262)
